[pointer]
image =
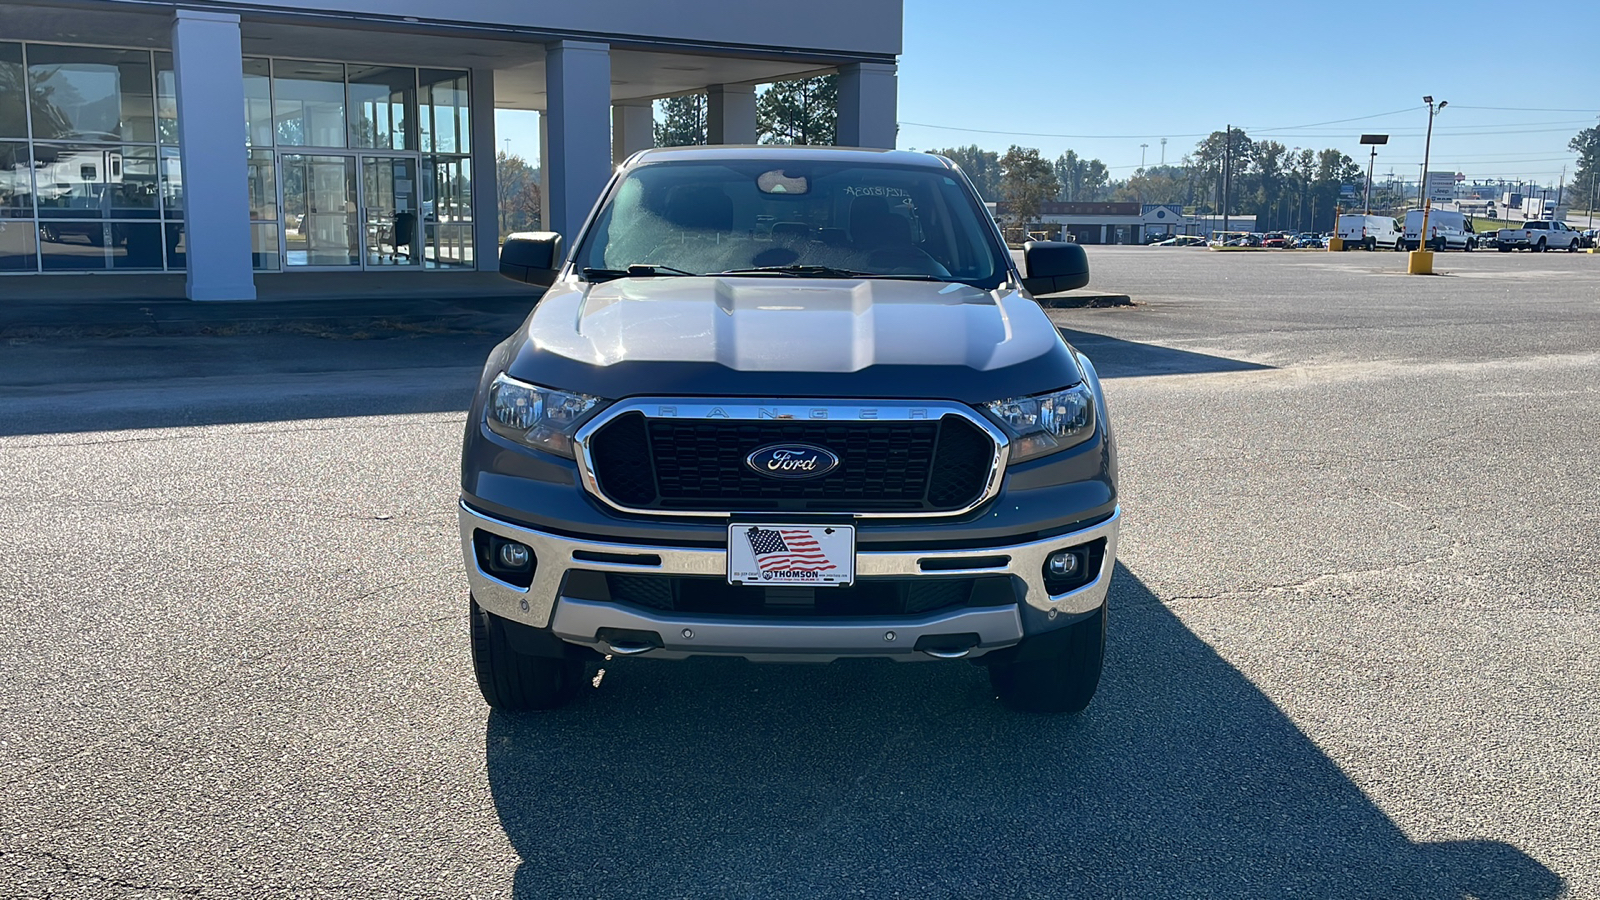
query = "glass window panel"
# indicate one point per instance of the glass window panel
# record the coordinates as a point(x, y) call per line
point(442, 113)
point(449, 247)
point(177, 247)
point(308, 99)
point(95, 180)
point(18, 246)
point(320, 221)
point(166, 99)
point(381, 101)
point(69, 245)
point(258, 102)
point(136, 245)
point(172, 182)
point(91, 94)
point(263, 186)
point(13, 106)
point(16, 181)
point(264, 247)
point(451, 195)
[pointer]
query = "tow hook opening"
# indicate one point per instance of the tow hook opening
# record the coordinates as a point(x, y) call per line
point(629, 641)
point(947, 646)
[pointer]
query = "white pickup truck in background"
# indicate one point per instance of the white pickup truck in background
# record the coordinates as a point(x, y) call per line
point(1538, 237)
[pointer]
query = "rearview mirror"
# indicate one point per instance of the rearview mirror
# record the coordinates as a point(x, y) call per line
point(531, 257)
point(1051, 267)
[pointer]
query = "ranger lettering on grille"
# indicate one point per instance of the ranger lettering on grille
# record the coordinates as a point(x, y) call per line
point(788, 403)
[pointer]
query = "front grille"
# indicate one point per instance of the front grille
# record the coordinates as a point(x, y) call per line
point(913, 466)
point(700, 595)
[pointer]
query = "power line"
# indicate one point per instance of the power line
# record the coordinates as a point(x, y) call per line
point(1528, 109)
point(1086, 137)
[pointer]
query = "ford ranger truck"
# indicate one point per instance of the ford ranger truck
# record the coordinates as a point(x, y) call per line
point(788, 404)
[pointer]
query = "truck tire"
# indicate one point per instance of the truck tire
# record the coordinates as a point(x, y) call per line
point(1540, 247)
point(1055, 672)
point(1572, 246)
point(1370, 244)
point(1438, 245)
point(516, 682)
point(1399, 245)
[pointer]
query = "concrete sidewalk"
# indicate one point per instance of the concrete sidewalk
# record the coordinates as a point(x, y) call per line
point(36, 319)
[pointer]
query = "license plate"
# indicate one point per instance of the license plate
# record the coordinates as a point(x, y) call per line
point(814, 555)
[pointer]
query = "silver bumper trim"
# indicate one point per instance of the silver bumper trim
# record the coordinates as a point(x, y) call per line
point(822, 640)
point(554, 555)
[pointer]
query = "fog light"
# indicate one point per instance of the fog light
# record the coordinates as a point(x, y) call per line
point(1064, 564)
point(514, 556)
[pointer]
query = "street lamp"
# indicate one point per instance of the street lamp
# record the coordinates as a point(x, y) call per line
point(1421, 262)
point(1376, 140)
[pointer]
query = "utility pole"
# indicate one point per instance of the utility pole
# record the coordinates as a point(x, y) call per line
point(1227, 174)
point(1163, 152)
point(1141, 154)
point(1421, 262)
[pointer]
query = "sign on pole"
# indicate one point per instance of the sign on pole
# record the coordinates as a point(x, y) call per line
point(1441, 186)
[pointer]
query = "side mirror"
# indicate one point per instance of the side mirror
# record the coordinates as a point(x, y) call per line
point(1053, 266)
point(531, 257)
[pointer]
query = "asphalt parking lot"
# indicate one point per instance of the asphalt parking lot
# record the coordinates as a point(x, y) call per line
point(1354, 634)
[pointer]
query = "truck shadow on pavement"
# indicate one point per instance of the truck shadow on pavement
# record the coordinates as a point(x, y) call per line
point(720, 778)
point(1117, 358)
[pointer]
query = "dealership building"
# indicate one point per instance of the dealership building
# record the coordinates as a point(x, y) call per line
point(240, 142)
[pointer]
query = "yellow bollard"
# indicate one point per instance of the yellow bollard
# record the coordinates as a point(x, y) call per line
point(1335, 244)
point(1421, 263)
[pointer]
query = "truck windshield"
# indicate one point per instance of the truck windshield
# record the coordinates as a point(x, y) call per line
point(794, 217)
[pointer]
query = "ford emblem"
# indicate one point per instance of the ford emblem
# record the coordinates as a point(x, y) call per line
point(792, 461)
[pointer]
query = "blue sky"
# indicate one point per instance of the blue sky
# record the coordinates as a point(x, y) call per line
point(1120, 74)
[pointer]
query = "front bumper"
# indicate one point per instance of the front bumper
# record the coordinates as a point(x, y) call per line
point(580, 621)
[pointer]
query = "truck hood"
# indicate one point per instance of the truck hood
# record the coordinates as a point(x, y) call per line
point(750, 336)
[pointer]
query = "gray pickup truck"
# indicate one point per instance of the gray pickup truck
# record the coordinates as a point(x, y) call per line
point(789, 404)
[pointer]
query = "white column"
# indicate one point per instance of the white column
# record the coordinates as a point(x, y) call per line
point(578, 91)
point(867, 93)
point(485, 192)
point(216, 204)
point(633, 128)
point(731, 114)
point(544, 170)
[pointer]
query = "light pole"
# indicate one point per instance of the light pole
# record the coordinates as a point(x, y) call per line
point(1421, 262)
point(1141, 154)
point(1163, 153)
point(1375, 140)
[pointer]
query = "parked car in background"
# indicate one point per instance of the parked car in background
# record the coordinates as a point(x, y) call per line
point(1489, 240)
point(1275, 240)
point(1310, 242)
point(1364, 232)
point(1538, 236)
point(1448, 229)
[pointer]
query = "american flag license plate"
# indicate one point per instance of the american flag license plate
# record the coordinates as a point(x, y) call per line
point(816, 555)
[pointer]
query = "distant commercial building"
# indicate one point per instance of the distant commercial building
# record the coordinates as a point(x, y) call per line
point(231, 141)
point(1121, 223)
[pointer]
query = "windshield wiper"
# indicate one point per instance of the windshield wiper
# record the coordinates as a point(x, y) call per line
point(813, 271)
point(633, 271)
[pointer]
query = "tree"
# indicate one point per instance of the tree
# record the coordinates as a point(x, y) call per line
point(682, 121)
point(982, 167)
point(1079, 179)
point(802, 111)
point(518, 194)
point(1026, 181)
point(1587, 145)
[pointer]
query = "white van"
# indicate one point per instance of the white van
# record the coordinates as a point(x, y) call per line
point(1448, 229)
point(1369, 232)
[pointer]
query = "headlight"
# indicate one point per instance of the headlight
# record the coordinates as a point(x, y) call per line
point(537, 416)
point(1046, 423)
